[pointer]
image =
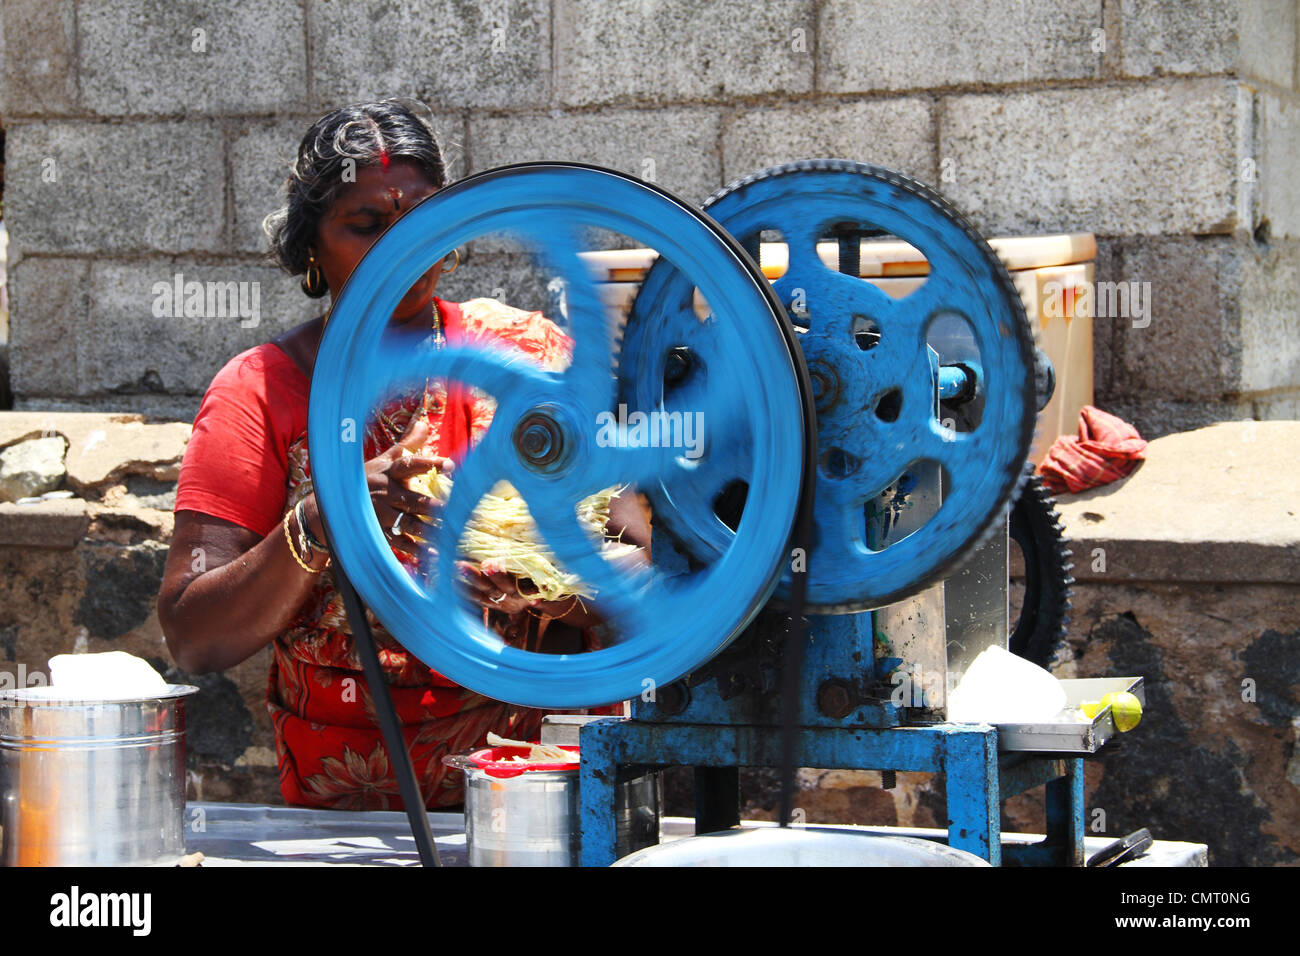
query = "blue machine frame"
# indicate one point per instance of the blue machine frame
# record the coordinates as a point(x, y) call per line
point(978, 778)
point(729, 714)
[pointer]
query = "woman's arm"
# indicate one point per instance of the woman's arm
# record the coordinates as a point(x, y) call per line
point(226, 592)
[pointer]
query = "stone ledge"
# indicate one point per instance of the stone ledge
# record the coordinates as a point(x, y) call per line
point(59, 524)
point(127, 525)
point(1217, 504)
point(104, 447)
point(1146, 560)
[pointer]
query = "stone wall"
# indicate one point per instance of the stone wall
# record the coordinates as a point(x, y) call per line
point(147, 139)
point(81, 573)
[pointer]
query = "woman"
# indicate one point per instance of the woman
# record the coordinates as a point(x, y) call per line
point(247, 567)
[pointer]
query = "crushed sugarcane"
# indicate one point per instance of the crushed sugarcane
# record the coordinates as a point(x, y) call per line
point(502, 538)
point(537, 753)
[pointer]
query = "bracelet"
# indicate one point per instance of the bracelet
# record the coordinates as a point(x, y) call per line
point(301, 563)
point(555, 617)
point(306, 540)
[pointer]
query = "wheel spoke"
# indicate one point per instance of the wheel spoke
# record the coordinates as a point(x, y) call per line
point(691, 434)
point(913, 312)
point(691, 498)
point(801, 238)
point(840, 538)
point(958, 455)
point(638, 465)
point(720, 428)
point(710, 393)
point(589, 374)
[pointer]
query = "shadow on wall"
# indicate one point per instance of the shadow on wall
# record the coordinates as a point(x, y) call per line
point(6, 395)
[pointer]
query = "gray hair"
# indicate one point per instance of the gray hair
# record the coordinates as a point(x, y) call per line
point(369, 134)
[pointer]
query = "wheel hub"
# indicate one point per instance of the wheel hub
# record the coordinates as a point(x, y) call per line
point(539, 439)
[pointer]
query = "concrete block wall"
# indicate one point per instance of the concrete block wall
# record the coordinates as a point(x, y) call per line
point(147, 138)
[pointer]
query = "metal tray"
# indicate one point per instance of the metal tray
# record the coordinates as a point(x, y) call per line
point(1068, 735)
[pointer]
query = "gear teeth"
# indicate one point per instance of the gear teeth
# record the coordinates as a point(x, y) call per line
point(1037, 636)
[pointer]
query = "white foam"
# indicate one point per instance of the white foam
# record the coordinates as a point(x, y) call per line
point(113, 675)
point(1001, 688)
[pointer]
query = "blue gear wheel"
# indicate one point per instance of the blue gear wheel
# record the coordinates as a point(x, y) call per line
point(877, 405)
point(544, 436)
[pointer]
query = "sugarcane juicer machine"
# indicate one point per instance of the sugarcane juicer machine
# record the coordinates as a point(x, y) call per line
point(856, 451)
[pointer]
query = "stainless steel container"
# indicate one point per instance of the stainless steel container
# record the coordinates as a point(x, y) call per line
point(533, 819)
point(801, 846)
point(92, 783)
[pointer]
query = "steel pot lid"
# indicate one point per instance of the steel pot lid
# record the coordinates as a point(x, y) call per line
point(50, 696)
point(800, 846)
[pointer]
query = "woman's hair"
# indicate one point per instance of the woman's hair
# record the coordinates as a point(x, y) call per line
point(370, 134)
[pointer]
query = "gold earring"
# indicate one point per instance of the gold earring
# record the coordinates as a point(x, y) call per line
point(456, 253)
point(314, 283)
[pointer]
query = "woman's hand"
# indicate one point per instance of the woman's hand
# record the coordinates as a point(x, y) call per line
point(502, 592)
point(397, 507)
point(498, 592)
point(629, 521)
point(387, 475)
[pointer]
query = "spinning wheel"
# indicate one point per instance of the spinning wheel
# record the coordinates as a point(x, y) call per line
point(546, 435)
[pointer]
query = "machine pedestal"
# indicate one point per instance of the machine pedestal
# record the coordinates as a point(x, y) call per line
point(978, 778)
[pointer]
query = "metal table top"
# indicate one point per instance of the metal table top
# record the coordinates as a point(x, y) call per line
point(246, 834)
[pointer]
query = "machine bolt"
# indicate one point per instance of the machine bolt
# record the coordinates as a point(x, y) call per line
point(835, 698)
point(677, 364)
point(673, 699)
point(536, 441)
point(539, 438)
point(825, 385)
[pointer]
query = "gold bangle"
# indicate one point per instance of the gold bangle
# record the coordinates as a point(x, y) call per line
point(301, 563)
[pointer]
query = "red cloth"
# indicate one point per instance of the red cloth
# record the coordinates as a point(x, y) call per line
point(1107, 448)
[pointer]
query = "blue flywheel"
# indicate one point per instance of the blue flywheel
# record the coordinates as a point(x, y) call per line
point(546, 436)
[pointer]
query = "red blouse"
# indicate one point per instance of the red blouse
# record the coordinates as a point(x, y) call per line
point(236, 464)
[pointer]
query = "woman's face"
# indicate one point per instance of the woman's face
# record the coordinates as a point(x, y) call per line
point(360, 213)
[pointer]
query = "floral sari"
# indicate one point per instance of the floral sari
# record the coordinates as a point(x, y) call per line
point(330, 750)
